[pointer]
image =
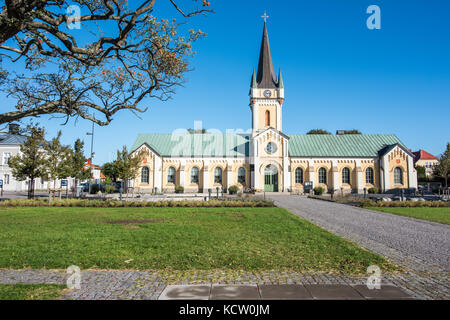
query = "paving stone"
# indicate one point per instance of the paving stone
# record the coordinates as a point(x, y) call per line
point(330, 291)
point(385, 292)
point(186, 292)
point(234, 292)
point(284, 292)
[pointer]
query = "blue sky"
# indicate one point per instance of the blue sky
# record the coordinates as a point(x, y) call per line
point(338, 74)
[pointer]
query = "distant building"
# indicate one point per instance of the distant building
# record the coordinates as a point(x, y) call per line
point(97, 174)
point(10, 146)
point(425, 159)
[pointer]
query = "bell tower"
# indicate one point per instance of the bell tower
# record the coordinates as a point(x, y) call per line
point(266, 91)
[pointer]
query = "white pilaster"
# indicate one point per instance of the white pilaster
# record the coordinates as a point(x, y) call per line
point(385, 172)
point(286, 165)
point(312, 174)
point(229, 176)
point(182, 175)
point(205, 178)
point(335, 172)
point(158, 174)
point(359, 177)
point(412, 173)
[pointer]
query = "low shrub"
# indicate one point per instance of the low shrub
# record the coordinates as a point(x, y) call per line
point(319, 191)
point(233, 189)
point(373, 190)
point(179, 189)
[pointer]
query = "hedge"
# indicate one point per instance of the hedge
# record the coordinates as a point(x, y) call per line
point(118, 204)
point(406, 204)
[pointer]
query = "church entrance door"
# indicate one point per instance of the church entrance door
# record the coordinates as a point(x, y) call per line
point(271, 179)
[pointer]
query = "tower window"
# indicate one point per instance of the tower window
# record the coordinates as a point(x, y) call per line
point(267, 118)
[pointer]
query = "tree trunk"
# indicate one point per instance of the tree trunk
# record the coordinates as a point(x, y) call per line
point(31, 189)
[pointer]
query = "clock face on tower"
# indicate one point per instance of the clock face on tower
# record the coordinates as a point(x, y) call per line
point(271, 147)
point(267, 94)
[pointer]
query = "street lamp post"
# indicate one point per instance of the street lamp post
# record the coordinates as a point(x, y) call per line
point(91, 157)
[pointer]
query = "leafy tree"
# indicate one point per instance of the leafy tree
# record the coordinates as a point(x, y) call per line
point(127, 165)
point(58, 164)
point(109, 170)
point(354, 131)
point(442, 169)
point(318, 131)
point(421, 173)
point(78, 161)
point(30, 162)
point(141, 56)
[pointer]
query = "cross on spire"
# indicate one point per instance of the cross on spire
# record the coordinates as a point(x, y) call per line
point(265, 16)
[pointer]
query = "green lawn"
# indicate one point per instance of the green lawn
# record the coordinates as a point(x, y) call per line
point(441, 215)
point(174, 238)
point(31, 291)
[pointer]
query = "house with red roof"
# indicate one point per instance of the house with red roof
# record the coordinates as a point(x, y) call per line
point(425, 159)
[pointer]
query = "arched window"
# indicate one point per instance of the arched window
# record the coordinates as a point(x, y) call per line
point(171, 175)
point(369, 175)
point(398, 175)
point(241, 176)
point(323, 175)
point(299, 175)
point(218, 175)
point(145, 173)
point(194, 175)
point(346, 175)
point(267, 118)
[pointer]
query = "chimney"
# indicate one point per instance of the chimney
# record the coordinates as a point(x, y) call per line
point(14, 128)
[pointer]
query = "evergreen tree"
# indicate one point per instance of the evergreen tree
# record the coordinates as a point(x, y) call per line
point(30, 163)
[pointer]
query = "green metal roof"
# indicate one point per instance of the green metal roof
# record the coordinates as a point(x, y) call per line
point(196, 145)
point(347, 145)
point(236, 145)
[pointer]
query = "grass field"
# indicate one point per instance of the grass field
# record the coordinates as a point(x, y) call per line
point(441, 215)
point(174, 238)
point(31, 291)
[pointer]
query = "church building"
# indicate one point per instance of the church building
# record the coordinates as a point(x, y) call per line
point(268, 159)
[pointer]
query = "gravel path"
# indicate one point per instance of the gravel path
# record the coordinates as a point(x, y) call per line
point(421, 246)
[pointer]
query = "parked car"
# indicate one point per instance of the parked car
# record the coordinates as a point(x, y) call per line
point(85, 186)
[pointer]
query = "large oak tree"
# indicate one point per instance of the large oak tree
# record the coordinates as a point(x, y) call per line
point(122, 55)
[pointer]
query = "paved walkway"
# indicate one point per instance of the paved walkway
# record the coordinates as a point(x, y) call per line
point(153, 285)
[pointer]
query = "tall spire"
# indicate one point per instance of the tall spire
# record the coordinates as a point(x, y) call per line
point(266, 75)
